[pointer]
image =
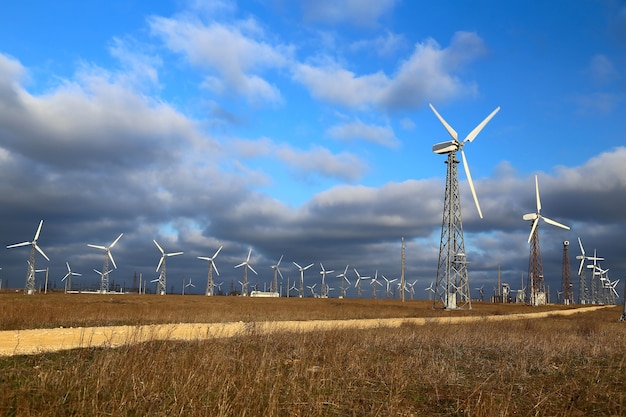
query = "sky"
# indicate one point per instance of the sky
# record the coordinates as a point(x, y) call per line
point(303, 129)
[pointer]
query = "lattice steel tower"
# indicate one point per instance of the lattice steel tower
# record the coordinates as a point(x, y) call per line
point(452, 286)
point(30, 272)
point(566, 282)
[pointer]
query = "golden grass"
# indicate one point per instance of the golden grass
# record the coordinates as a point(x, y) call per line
point(557, 366)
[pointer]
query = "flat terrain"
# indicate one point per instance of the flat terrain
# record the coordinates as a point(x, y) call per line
point(226, 356)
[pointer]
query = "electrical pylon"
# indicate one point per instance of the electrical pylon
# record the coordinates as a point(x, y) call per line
point(566, 282)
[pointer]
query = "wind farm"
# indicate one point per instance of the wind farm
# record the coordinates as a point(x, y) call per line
point(328, 208)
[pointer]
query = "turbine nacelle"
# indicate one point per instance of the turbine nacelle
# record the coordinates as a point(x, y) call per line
point(446, 147)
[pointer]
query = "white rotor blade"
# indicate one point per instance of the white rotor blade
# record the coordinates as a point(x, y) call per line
point(252, 269)
point(445, 124)
point(471, 183)
point(204, 258)
point(582, 262)
point(532, 229)
point(241, 264)
point(174, 253)
point(249, 253)
point(115, 241)
point(40, 251)
point(112, 260)
point(278, 263)
point(581, 247)
point(553, 223)
point(157, 245)
point(215, 267)
point(299, 267)
point(38, 231)
point(66, 275)
point(97, 246)
point(480, 127)
point(280, 273)
point(160, 262)
point(537, 194)
point(307, 267)
point(19, 244)
point(217, 252)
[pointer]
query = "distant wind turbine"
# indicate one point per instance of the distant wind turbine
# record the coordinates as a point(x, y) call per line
point(302, 269)
point(246, 265)
point(161, 268)
point(209, 283)
point(30, 273)
point(104, 282)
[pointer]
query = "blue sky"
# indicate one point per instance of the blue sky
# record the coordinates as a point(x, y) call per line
point(303, 129)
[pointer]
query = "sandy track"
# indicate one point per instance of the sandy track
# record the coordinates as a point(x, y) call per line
point(27, 342)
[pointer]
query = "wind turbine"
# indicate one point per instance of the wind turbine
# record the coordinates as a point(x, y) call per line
point(190, 284)
point(302, 269)
point(412, 289)
point(324, 288)
point(430, 290)
point(452, 265)
point(536, 288)
point(68, 276)
point(274, 287)
point(246, 265)
point(312, 288)
point(209, 282)
point(104, 282)
point(343, 278)
point(375, 282)
point(389, 281)
point(30, 272)
point(161, 268)
point(358, 283)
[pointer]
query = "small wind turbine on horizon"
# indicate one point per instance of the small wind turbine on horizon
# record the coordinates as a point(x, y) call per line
point(68, 276)
point(190, 284)
point(246, 265)
point(302, 269)
point(30, 273)
point(357, 284)
point(344, 278)
point(209, 282)
point(274, 286)
point(104, 282)
point(324, 287)
point(536, 287)
point(162, 269)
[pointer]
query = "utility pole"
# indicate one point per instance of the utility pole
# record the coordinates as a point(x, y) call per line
point(402, 282)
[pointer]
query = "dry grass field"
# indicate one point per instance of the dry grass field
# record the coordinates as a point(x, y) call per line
point(558, 365)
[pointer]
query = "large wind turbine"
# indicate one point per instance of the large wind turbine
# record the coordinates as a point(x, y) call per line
point(209, 282)
point(302, 269)
point(246, 265)
point(536, 285)
point(358, 283)
point(452, 284)
point(161, 269)
point(104, 281)
point(30, 272)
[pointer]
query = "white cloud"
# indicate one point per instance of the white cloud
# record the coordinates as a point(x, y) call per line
point(232, 51)
point(320, 161)
point(357, 130)
point(426, 76)
point(385, 45)
point(601, 70)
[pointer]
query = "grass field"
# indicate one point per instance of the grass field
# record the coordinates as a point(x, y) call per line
point(570, 366)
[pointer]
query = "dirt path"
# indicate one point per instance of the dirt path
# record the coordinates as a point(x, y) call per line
point(25, 342)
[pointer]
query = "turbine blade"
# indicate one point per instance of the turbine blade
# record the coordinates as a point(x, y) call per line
point(115, 241)
point(280, 273)
point(19, 244)
point(445, 124)
point(204, 258)
point(96, 246)
point(532, 229)
point(471, 183)
point(278, 263)
point(66, 275)
point(553, 223)
point(40, 251)
point(582, 262)
point(537, 193)
point(299, 267)
point(308, 266)
point(240, 265)
point(160, 262)
point(215, 267)
point(252, 269)
point(38, 231)
point(480, 127)
point(174, 253)
point(112, 260)
point(217, 252)
point(249, 253)
point(581, 247)
point(157, 245)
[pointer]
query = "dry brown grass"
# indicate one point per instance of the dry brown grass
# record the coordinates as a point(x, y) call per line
point(18, 311)
point(568, 366)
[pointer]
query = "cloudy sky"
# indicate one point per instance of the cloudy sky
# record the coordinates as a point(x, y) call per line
point(303, 129)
